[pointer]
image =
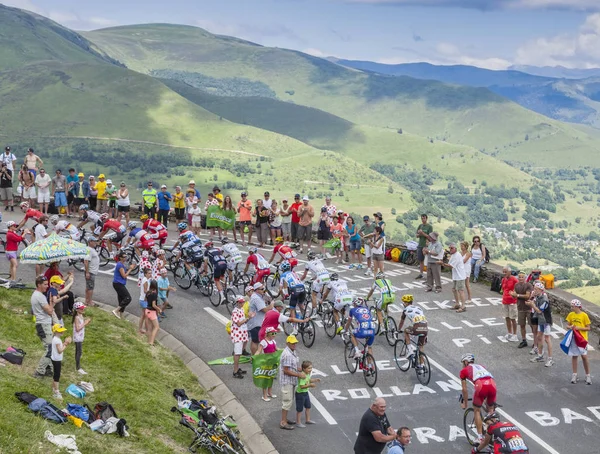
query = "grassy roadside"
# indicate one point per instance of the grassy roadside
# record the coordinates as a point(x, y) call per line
point(136, 379)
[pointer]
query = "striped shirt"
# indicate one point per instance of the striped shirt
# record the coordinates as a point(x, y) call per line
point(288, 359)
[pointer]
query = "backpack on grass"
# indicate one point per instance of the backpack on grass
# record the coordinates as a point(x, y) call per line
point(25, 397)
point(47, 411)
point(103, 411)
point(496, 284)
point(14, 355)
point(79, 411)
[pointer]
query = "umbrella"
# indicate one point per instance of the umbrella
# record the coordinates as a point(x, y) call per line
point(54, 249)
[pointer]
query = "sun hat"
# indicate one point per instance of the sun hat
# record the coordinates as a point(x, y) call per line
point(305, 198)
point(270, 329)
point(56, 328)
point(248, 288)
point(278, 304)
point(539, 285)
point(291, 339)
point(79, 305)
point(56, 280)
point(576, 303)
point(80, 174)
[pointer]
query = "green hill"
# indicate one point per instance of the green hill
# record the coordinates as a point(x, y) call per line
point(461, 115)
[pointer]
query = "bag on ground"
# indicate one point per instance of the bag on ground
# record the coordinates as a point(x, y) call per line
point(496, 284)
point(36, 405)
point(14, 355)
point(53, 414)
point(25, 397)
point(79, 411)
point(75, 391)
point(103, 411)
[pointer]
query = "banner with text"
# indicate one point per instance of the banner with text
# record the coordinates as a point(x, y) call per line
point(217, 217)
point(264, 369)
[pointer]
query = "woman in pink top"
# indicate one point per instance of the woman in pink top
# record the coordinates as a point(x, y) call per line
point(268, 346)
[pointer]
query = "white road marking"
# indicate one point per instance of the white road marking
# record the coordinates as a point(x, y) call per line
point(525, 430)
point(321, 409)
point(219, 317)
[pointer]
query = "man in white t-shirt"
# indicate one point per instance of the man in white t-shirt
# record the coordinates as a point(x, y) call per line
point(9, 159)
point(458, 277)
point(42, 310)
point(43, 182)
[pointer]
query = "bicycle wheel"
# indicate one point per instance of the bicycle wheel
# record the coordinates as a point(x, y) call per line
point(374, 319)
point(401, 355)
point(390, 326)
point(207, 288)
point(423, 368)
point(230, 299)
point(369, 369)
point(183, 278)
point(308, 333)
point(242, 281)
point(288, 328)
point(329, 326)
point(213, 295)
point(105, 257)
point(470, 427)
point(133, 259)
point(2, 245)
point(79, 265)
point(351, 363)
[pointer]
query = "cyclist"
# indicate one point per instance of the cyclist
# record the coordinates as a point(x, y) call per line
point(387, 296)
point(30, 213)
point(261, 266)
point(485, 389)
point(190, 247)
point(291, 286)
point(233, 256)
point(364, 325)
point(418, 325)
point(341, 296)
point(88, 215)
point(219, 264)
point(142, 239)
point(115, 226)
point(319, 276)
point(507, 438)
point(285, 253)
point(66, 226)
point(155, 228)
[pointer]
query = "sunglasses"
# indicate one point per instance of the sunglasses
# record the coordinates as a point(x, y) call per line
point(122, 185)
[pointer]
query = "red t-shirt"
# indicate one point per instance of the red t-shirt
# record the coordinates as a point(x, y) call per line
point(271, 320)
point(508, 285)
point(295, 206)
point(33, 214)
point(12, 241)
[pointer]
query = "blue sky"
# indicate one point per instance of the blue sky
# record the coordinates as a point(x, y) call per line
point(486, 33)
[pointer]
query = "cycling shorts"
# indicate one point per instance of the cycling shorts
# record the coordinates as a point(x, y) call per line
point(232, 264)
point(485, 390)
point(297, 296)
point(118, 237)
point(145, 244)
point(367, 334)
point(219, 269)
point(418, 329)
point(160, 235)
point(342, 301)
point(379, 304)
point(260, 275)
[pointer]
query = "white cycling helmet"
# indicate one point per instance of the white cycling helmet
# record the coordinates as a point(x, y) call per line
point(131, 225)
point(468, 357)
point(54, 219)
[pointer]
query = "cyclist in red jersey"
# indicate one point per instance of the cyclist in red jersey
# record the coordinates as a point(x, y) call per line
point(261, 266)
point(30, 213)
point(507, 437)
point(485, 388)
point(285, 253)
point(154, 228)
point(115, 226)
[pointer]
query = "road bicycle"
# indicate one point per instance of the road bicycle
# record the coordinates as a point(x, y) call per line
point(365, 362)
point(307, 330)
point(239, 280)
point(171, 257)
point(388, 321)
point(185, 278)
point(328, 319)
point(469, 421)
point(417, 360)
point(271, 282)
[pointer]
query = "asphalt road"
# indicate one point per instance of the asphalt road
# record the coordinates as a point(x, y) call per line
point(554, 415)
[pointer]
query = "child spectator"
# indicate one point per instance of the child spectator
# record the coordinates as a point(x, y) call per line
point(268, 346)
point(302, 397)
point(144, 287)
point(579, 321)
point(152, 310)
point(196, 218)
point(79, 324)
point(57, 356)
point(164, 288)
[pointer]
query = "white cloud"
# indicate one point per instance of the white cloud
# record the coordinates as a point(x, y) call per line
point(572, 50)
point(578, 5)
point(314, 52)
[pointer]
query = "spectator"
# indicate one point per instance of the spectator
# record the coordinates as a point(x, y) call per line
point(9, 159)
point(540, 305)
point(189, 201)
point(218, 195)
point(43, 183)
point(228, 207)
point(509, 304)
point(79, 324)
point(42, 310)
point(477, 256)
point(295, 218)
point(144, 283)
point(354, 244)
point(192, 186)
point(93, 193)
point(239, 335)
point(435, 253)
point(6, 189)
point(275, 221)
point(466, 255)
point(423, 232)
point(57, 356)
point(398, 446)
point(59, 187)
point(31, 160)
point(259, 308)
point(374, 430)
point(63, 291)
point(286, 220)
point(27, 185)
point(323, 231)
point(71, 180)
point(119, 284)
point(377, 244)
point(339, 233)
point(302, 396)
point(330, 209)
point(111, 195)
point(149, 198)
point(267, 202)
point(268, 346)
point(152, 311)
point(179, 203)
point(579, 321)
point(212, 201)
point(379, 222)
point(12, 246)
point(81, 192)
point(164, 287)
point(522, 292)
point(196, 214)
point(262, 223)
point(288, 379)
point(102, 197)
point(40, 231)
point(123, 202)
point(306, 213)
point(92, 267)
point(366, 232)
point(244, 208)
point(458, 277)
point(164, 197)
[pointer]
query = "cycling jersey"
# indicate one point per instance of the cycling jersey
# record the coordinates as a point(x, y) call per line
point(485, 385)
point(384, 287)
point(292, 280)
point(286, 253)
point(340, 294)
point(364, 330)
point(319, 274)
point(259, 262)
point(188, 239)
point(215, 257)
point(414, 314)
point(114, 225)
point(33, 214)
point(68, 227)
point(474, 372)
point(232, 254)
point(91, 216)
point(138, 234)
point(507, 438)
point(152, 225)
